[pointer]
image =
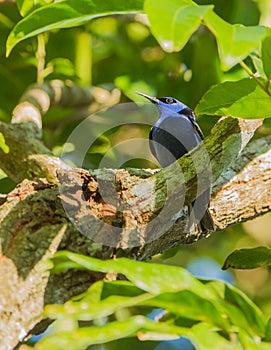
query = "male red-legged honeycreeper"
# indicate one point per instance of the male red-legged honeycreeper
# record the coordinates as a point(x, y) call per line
point(175, 133)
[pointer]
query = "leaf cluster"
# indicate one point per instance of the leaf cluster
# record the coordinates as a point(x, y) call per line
point(211, 314)
point(235, 42)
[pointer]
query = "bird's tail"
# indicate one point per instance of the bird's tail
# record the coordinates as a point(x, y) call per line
point(206, 223)
point(200, 214)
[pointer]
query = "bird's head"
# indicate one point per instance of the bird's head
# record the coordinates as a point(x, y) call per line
point(166, 105)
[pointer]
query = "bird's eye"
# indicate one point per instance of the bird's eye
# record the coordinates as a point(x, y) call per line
point(170, 101)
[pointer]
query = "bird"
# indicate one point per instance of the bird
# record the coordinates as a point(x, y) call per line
point(175, 133)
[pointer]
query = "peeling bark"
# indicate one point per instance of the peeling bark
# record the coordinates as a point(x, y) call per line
point(41, 227)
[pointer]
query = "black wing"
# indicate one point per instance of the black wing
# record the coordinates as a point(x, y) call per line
point(151, 143)
point(198, 130)
point(168, 142)
point(188, 112)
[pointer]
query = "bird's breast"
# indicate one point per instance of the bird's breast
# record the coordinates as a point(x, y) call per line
point(171, 138)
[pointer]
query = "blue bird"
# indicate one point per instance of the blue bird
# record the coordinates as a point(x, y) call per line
point(173, 135)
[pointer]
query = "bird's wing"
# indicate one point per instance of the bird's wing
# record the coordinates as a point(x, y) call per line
point(171, 138)
point(197, 129)
point(152, 148)
point(191, 116)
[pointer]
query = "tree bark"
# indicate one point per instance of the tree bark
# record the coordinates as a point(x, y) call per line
point(109, 213)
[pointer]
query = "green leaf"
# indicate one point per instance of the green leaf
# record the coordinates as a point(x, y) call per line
point(204, 338)
point(27, 6)
point(106, 298)
point(89, 308)
point(240, 99)
point(60, 265)
point(180, 19)
point(189, 305)
point(65, 14)
point(152, 278)
point(214, 306)
point(3, 145)
point(258, 65)
point(249, 345)
point(87, 311)
point(253, 314)
point(268, 330)
point(235, 42)
point(80, 338)
point(248, 258)
point(124, 288)
point(266, 56)
point(202, 335)
point(93, 294)
point(242, 312)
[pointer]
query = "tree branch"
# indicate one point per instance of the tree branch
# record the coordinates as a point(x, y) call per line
point(244, 190)
point(34, 225)
point(28, 157)
point(126, 212)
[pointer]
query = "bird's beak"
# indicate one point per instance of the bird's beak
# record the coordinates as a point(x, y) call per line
point(150, 98)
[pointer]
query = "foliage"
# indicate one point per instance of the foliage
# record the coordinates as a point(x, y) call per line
point(3, 145)
point(194, 51)
point(248, 258)
point(64, 14)
point(209, 313)
point(230, 97)
point(180, 20)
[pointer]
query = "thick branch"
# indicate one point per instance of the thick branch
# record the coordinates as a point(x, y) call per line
point(28, 157)
point(140, 235)
point(38, 98)
point(34, 225)
point(244, 190)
